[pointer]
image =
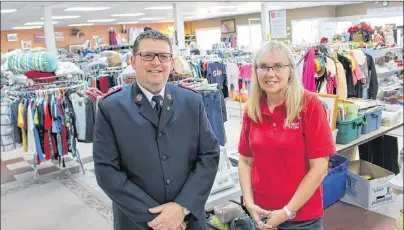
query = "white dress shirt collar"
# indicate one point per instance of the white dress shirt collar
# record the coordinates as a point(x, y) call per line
point(149, 95)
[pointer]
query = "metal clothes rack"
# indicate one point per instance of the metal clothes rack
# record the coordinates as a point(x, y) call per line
point(41, 89)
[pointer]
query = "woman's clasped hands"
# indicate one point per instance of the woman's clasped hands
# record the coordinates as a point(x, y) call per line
point(266, 219)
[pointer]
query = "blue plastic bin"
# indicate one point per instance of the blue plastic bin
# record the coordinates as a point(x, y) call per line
point(372, 121)
point(334, 184)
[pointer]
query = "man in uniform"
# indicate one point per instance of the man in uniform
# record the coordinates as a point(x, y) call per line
point(155, 153)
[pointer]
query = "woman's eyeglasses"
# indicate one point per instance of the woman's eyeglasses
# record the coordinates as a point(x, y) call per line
point(277, 68)
point(148, 56)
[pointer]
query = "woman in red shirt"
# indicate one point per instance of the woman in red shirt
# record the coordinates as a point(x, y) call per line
point(284, 146)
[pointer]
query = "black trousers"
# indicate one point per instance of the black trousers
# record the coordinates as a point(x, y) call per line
point(382, 151)
point(316, 224)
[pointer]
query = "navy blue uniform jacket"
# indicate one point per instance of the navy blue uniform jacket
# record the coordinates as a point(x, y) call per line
point(142, 161)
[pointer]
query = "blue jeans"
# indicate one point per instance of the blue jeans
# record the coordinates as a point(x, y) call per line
point(316, 224)
point(212, 102)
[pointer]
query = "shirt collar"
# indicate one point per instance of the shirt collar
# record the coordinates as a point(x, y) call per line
point(264, 106)
point(148, 94)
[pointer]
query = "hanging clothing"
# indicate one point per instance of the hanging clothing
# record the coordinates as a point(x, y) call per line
point(309, 70)
point(342, 90)
point(348, 74)
point(373, 82)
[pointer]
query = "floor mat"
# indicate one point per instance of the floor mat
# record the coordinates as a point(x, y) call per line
point(55, 204)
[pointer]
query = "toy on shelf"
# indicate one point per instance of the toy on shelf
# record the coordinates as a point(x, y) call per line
point(389, 36)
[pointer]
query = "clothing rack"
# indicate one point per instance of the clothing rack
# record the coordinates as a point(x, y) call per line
point(45, 89)
point(238, 59)
point(201, 84)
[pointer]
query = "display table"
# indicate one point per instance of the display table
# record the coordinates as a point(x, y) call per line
point(235, 192)
point(223, 196)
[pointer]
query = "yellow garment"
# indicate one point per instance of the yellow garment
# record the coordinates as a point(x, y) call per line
point(36, 118)
point(352, 60)
point(20, 123)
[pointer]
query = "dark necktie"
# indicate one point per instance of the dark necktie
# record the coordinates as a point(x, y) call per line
point(157, 107)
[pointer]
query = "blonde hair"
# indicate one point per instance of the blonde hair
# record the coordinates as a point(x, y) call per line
point(294, 89)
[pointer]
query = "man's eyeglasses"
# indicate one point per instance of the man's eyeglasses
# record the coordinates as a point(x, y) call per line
point(277, 68)
point(148, 56)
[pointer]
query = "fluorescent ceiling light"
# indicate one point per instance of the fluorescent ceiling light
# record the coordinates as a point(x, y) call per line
point(64, 17)
point(120, 23)
point(227, 7)
point(82, 24)
point(185, 13)
point(86, 8)
point(8, 11)
point(127, 15)
point(102, 20)
point(191, 17)
point(150, 19)
point(165, 21)
point(275, 7)
point(37, 23)
point(26, 27)
point(159, 8)
point(226, 12)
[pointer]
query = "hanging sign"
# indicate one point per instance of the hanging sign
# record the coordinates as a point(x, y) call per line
point(278, 24)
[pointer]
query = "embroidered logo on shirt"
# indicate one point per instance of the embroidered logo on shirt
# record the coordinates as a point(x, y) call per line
point(293, 125)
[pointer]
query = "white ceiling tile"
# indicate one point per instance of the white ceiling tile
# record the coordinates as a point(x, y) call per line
point(204, 10)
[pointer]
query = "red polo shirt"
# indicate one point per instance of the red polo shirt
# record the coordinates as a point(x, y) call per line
point(281, 155)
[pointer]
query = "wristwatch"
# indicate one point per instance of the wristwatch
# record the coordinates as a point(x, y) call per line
point(291, 215)
point(185, 210)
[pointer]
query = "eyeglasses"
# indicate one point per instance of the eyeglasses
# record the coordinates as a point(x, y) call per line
point(148, 56)
point(277, 68)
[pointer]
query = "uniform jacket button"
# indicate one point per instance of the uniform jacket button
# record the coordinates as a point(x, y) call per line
point(160, 134)
point(168, 181)
point(164, 157)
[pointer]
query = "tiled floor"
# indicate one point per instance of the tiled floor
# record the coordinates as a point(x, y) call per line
point(17, 174)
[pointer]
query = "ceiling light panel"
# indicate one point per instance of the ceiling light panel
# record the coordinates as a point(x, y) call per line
point(159, 8)
point(102, 20)
point(150, 19)
point(64, 17)
point(226, 12)
point(7, 11)
point(37, 23)
point(26, 27)
point(82, 24)
point(127, 15)
point(120, 23)
point(226, 7)
point(87, 8)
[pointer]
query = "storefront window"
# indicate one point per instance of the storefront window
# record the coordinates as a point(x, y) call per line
point(206, 38)
point(304, 32)
point(249, 36)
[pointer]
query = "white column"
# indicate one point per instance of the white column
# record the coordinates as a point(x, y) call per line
point(49, 30)
point(179, 25)
point(265, 28)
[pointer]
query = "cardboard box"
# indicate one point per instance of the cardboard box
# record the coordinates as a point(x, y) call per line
point(368, 193)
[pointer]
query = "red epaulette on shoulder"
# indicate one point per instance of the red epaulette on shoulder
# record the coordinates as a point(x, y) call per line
point(189, 88)
point(111, 92)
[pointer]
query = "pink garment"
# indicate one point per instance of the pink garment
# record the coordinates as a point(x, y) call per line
point(309, 81)
point(233, 41)
point(331, 83)
point(246, 72)
point(357, 69)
